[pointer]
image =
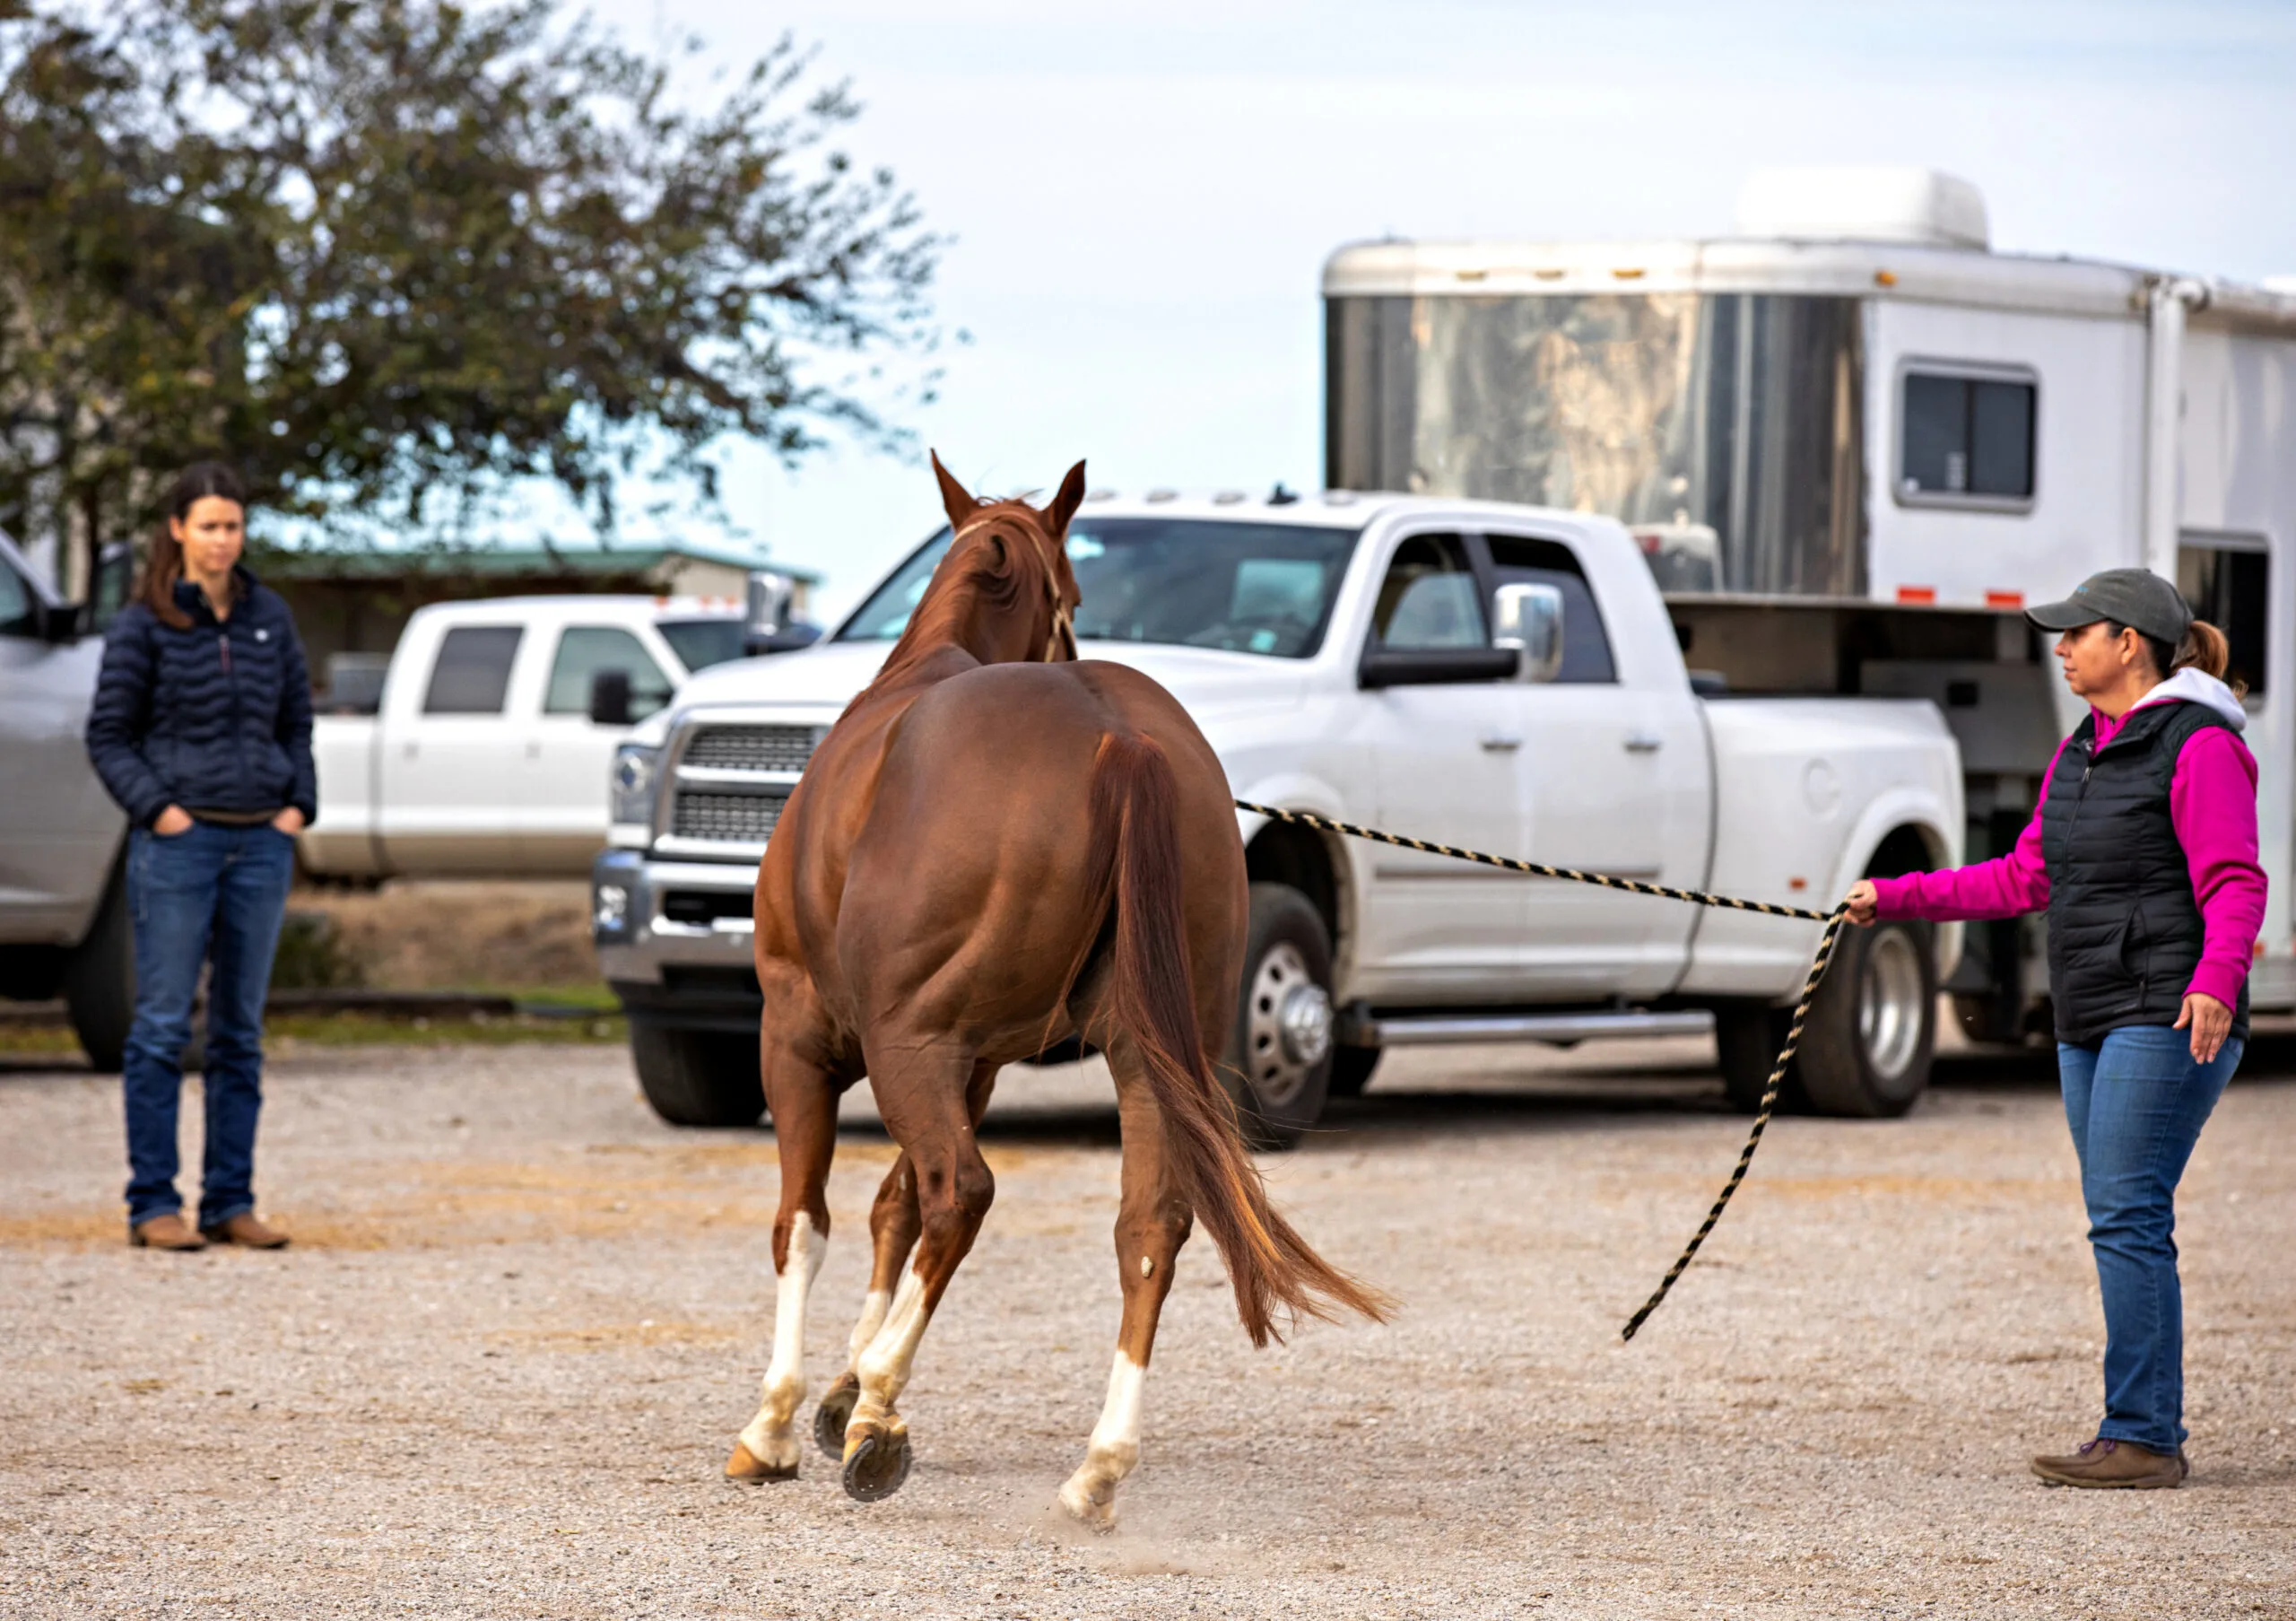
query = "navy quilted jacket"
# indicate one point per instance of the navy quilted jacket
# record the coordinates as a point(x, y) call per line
point(214, 716)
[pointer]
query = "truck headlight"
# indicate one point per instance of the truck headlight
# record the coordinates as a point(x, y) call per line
point(631, 782)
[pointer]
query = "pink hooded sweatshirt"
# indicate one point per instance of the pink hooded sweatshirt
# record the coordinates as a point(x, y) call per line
point(2212, 805)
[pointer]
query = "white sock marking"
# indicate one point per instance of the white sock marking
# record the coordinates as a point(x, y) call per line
point(767, 1436)
point(1114, 1449)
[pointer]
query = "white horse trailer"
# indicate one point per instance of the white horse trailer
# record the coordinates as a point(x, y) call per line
point(1855, 442)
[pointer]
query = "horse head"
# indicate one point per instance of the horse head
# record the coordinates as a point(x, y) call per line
point(1013, 559)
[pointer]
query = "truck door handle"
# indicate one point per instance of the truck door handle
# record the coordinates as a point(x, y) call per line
point(1643, 743)
point(1499, 743)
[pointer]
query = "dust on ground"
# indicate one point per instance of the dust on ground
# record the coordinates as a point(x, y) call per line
point(500, 1370)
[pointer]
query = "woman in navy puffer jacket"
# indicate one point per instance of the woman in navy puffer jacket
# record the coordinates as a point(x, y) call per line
point(202, 730)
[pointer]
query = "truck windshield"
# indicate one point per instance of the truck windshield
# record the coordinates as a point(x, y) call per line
point(700, 644)
point(1246, 587)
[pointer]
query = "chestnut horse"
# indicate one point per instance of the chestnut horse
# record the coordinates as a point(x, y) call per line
point(997, 848)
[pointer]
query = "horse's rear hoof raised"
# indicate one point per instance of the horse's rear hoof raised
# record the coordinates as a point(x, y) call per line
point(834, 1414)
point(746, 1464)
point(878, 1466)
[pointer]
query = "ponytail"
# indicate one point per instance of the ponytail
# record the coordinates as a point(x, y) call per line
point(2206, 650)
point(164, 566)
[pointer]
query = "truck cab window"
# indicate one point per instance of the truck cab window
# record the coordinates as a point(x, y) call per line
point(1966, 439)
point(1519, 561)
point(583, 651)
point(2227, 581)
point(1430, 600)
point(473, 675)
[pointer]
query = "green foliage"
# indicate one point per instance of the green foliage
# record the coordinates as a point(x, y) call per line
point(375, 252)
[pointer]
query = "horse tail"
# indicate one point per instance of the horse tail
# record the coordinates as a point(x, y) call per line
point(1136, 850)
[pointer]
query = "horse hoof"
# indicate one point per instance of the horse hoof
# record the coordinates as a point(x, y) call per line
point(833, 1415)
point(877, 1467)
point(746, 1464)
point(1083, 1507)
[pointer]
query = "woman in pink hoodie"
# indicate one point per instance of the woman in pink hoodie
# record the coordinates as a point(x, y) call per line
point(2143, 853)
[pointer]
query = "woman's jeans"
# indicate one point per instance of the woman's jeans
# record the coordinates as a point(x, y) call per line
point(2137, 1103)
point(219, 892)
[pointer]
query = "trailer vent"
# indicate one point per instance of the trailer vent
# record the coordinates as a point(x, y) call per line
point(727, 818)
point(754, 748)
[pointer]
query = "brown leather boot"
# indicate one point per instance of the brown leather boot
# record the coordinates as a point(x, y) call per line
point(168, 1232)
point(2112, 1466)
point(248, 1229)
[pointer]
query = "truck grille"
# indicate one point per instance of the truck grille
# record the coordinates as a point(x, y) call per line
point(727, 818)
point(754, 748)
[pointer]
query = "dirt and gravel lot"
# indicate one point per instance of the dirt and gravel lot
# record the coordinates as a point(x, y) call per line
point(498, 1372)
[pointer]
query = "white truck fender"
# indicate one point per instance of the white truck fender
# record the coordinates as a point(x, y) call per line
point(1939, 823)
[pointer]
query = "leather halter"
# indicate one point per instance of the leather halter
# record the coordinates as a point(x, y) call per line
point(1063, 635)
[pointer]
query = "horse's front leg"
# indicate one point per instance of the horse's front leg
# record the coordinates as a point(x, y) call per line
point(805, 1127)
point(1151, 1223)
point(923, 1093)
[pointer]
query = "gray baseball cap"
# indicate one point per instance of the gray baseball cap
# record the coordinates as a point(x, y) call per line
point(2136, 598)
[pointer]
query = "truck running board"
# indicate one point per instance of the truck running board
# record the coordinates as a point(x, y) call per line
point(1450, 1030)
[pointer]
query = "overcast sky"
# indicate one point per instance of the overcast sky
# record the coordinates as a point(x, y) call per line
point(1143, 195)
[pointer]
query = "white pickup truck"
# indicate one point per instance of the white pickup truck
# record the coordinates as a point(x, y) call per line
point(481, 755)
point(1501, 677)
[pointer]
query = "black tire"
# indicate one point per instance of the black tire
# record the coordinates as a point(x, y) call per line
point(100, 981)
point(1279, 1060)
point(1746, 1039)
point(1350, 1069)
point(1873, 1031)
point(698, 1077)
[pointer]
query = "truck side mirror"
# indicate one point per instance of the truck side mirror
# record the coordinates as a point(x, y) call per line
point(610, 698)
point(1530, 621)
point(63, 622)
point(767, 611)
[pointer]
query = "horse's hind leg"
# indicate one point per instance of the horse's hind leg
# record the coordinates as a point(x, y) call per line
point(1151, 1223)
point(923, 1097)
point(805, 1129)
point(893, 1227)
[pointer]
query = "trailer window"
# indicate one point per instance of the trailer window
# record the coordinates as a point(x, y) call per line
point(2227, 578)
point(1966, 437)
point(473, 675)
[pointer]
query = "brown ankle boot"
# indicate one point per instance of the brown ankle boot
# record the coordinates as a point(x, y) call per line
point(247, 1230)
point(168, 1232)
point(2112, 1466)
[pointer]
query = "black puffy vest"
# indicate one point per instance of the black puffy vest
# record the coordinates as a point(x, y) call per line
point(2125, 932)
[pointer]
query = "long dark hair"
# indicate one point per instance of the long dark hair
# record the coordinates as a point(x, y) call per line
point(157, 590)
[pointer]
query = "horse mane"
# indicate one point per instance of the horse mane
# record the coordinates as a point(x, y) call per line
point(971, 577)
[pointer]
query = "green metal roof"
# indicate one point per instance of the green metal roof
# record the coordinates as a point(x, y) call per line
point(526, 560)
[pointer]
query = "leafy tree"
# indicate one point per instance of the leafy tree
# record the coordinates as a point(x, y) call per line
point(382, 251)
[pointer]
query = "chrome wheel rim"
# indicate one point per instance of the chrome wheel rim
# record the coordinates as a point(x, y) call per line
point(1287, 1025)
point(1888, 1005)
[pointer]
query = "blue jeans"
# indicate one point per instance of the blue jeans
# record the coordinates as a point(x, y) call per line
point(216, 894)
point(2137, 1103)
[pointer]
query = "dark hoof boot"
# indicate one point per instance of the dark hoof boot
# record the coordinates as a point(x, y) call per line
point(833, 1415)
point(877, 1467)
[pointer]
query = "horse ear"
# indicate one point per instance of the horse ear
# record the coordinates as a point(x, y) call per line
point(1070, 497)
point(956, 501)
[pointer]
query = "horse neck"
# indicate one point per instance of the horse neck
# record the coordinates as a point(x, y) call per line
point(959, 616)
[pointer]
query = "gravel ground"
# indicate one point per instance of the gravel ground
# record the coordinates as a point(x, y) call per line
point(498, 1372)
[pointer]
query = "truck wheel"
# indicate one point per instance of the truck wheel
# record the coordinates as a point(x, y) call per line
point(1746, 1039)
point(100, 981)
point(1278, 1063)
point(1866, 1050)
point(698, 1077)
point(1350, 1069)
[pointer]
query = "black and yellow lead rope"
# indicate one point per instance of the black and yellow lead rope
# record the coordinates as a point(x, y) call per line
point(1539, 869)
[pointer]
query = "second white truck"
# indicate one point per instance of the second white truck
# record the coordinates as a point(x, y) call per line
point(1497, 676)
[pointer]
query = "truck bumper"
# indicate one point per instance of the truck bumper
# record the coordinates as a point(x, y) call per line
point(674, 939)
